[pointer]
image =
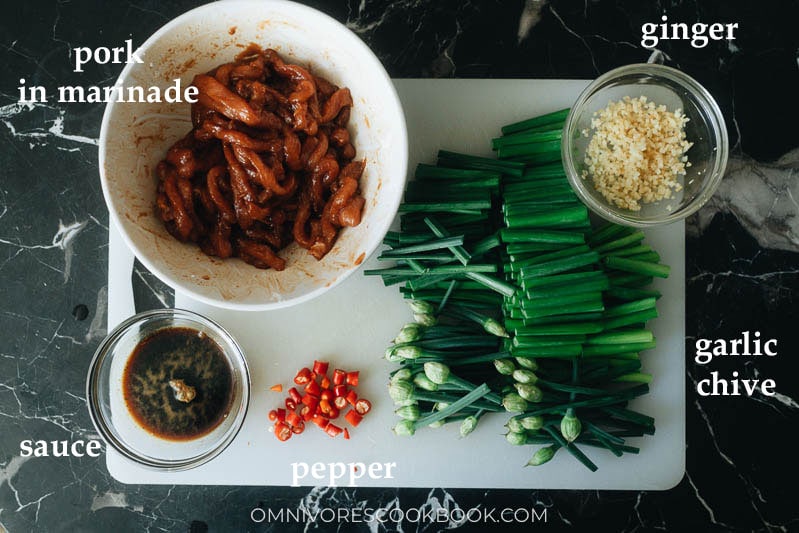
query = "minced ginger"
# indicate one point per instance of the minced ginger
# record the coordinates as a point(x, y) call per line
point(637, 152)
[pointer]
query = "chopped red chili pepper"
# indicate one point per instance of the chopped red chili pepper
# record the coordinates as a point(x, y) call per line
point(339, 376)
point(320, 367)
point(352, 397)
point(320, 421)
point(313, 389)
point(293, 419)
point(340, 402)
point(306, 413)
point(325, 407)
point(353, 417)
point(333, 430)
point(282, 431)
point(363, 406)
point(323, 399)
point(295, 394)
point(310, 401)
point(303, 376)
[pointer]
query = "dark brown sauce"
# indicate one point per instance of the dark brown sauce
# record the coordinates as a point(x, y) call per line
point(177, 353)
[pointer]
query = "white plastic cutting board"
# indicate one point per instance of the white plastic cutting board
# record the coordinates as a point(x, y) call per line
point(352, 324)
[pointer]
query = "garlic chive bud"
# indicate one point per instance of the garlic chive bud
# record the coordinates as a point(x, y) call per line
point(425, 319)
point(402, 373)
point(529, 392)
point(514, 403)
point(436, 372)
point(523, 375)
point(401, 390)
point(408, 412)
point(404, 428)
point(542, 455)
point(570, 426)
point(423, 382)
point(532, 422)
point(392, 356)
point(404, 403)
point(495, 328)
point(421, 307)
point(408, 352)
point(526, 362)
point(468, 424)
point(504, 366)
point(440, 406)
point(438, 423)
point(409, 333)
point(515, 426)
point(517, 439)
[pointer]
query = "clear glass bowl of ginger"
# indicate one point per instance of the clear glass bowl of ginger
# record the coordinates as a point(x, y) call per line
point(645, 145)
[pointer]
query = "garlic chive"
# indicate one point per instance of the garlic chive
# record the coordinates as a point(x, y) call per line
point(425, 320)
point(528, 363)
point(570, 426)
point(517, 439)
point(420, 307)
point(402, 373)
point(436, 372)
point(409, 333)
point(401, 390)
point(515, 425)
point(437, 423)
point(408, 352)
point(514, 403)
point(467, 425)
point(490, 325)
point(440, 374)
point(529, 392)
point(543, 455)
point(523, 375)
point(404, 428)
point(408, 412)
point(423, 382)
point(392, 356)
point(532, 422)
point(493, 327)
point(504, 366)
point(452, 409)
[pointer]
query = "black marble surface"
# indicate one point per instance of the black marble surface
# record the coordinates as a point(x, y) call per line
point(743, 272)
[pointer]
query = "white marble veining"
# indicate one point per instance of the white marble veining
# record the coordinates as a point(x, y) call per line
point(764, 197)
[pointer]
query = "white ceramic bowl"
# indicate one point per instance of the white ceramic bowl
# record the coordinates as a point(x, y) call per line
point(135, 136)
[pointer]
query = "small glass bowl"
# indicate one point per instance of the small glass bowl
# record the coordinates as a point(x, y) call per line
point(109, 412)
point(664, 86)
